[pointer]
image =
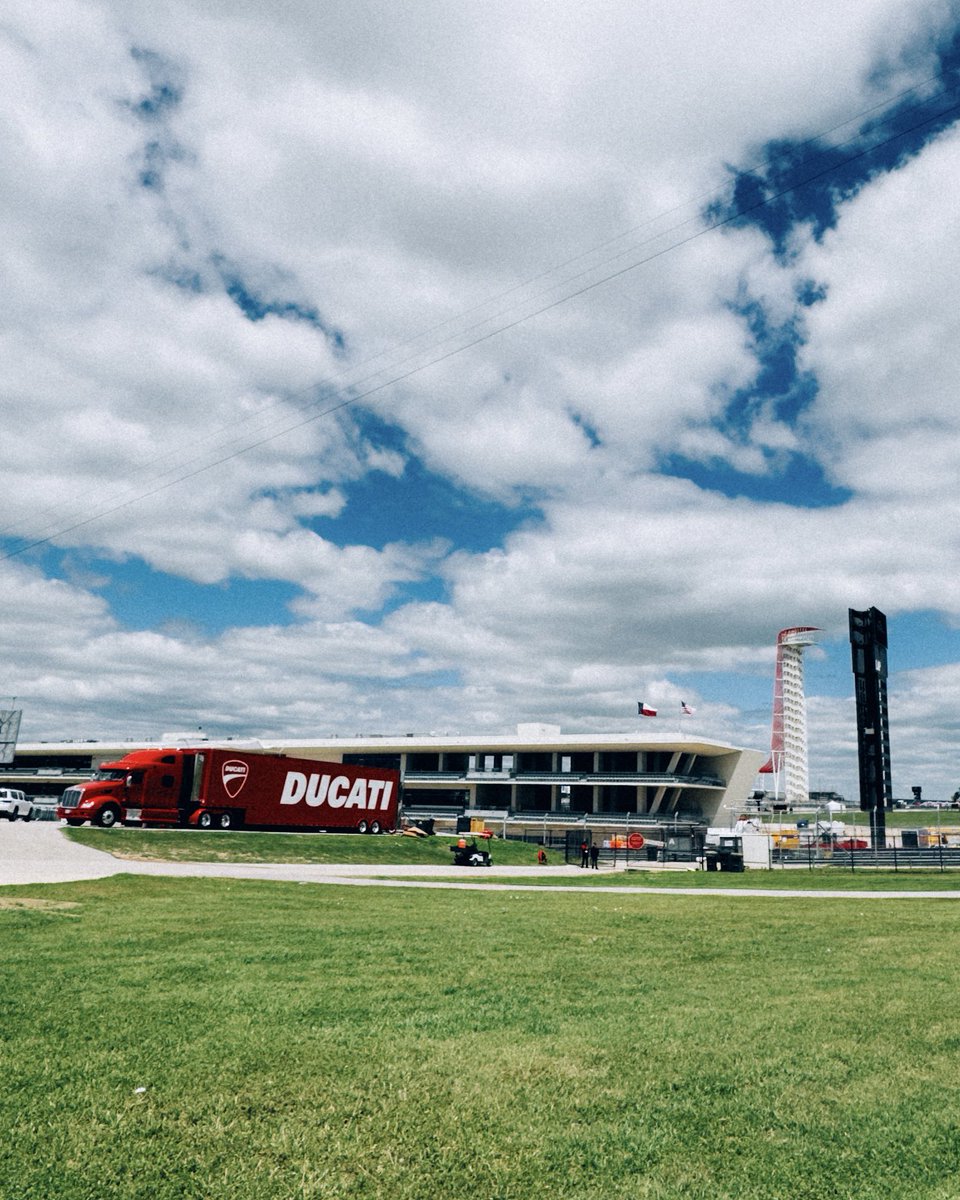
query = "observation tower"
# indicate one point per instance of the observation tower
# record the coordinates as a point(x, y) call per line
point(788, 743)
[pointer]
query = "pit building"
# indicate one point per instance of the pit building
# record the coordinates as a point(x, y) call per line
point(539, 773)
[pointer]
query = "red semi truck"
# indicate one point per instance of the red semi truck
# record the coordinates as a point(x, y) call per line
point(222, 789)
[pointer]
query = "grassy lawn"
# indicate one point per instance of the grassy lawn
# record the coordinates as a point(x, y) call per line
point(172, 845)
point(824, 879)
point(238, 1040)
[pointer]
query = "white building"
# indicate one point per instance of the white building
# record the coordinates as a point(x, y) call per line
point(538, 771)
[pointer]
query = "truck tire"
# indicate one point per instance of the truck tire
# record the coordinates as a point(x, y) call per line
point(225, 821)
point(361, 827)
point(107, 817)
point(205, 820)
point(75, 821)
point(374, 826)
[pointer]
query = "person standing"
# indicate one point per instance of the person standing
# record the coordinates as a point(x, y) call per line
point(584, 853)
point(594, 857)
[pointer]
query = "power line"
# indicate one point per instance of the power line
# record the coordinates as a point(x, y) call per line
point(176, 472)
point(351, 393)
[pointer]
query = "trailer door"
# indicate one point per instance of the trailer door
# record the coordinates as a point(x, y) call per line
point(197, 778)
point(188, 789)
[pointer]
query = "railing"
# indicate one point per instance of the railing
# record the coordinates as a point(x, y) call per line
point(893, 858)
point(644, 778)
point(55, 772)
point(413, 811)
point(538, 816)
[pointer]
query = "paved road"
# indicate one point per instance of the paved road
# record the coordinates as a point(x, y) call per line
point(39, 852)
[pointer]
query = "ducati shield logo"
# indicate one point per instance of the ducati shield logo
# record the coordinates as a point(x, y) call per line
point(234, 776)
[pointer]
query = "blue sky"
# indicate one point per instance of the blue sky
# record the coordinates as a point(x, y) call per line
point(356, 387)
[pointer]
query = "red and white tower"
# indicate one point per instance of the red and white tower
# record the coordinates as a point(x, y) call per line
point(788, 743)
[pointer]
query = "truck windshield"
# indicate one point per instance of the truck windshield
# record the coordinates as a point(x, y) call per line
point(110, 775)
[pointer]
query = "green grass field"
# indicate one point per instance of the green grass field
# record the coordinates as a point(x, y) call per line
point(824, 879)
point(177, 845)
point(235, 1040)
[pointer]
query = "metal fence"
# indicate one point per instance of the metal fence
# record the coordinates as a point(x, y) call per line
point(893, 858)
point(564, 845)
point(560, 846)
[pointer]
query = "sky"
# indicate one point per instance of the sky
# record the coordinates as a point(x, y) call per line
point(436, 368)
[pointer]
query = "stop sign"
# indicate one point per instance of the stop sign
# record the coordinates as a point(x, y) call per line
point(635, 841)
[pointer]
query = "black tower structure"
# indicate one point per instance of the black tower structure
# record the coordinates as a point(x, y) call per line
point(868, 643)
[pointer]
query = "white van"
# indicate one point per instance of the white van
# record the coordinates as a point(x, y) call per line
point(14, 805)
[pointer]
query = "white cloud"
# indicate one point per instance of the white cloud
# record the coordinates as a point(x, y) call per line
point(884, 342)
point(388, 174)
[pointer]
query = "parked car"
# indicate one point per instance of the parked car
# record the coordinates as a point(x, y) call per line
point(14, 805)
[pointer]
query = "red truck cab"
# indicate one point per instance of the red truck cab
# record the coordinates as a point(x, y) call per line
point(144, 787)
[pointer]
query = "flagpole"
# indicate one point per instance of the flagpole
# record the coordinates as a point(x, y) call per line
point(685, 711)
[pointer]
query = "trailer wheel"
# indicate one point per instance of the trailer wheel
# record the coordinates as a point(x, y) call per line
point(374, 826)
point(225, 821)
point(107, 817)
point(362, 827)
point(205, 821)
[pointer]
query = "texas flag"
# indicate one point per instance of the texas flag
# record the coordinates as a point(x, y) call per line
point(644, 710)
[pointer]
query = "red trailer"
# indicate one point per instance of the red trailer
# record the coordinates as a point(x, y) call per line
point(212, 788)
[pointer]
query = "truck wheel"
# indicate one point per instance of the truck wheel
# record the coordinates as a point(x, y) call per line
point(75, 821)
point(225, 821)
point(107, 817)
point(374, 826)
point(205, 821)
point(362, 827)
